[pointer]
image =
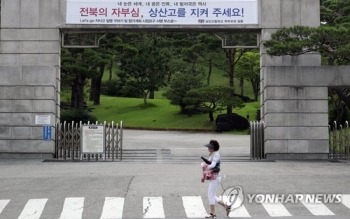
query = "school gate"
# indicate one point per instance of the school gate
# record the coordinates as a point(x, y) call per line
point(293, 89)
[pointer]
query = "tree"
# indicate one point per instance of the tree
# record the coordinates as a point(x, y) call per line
point(181, 84)
point(106, 51)
point(248, 68)
point(211, 99)
point(145, 66)
point(233, 55)
point(211, 51)
point(77, 66)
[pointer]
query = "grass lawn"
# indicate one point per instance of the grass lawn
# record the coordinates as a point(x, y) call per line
point(157, 114)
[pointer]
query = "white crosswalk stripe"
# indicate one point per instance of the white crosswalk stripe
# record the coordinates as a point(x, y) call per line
point(276, 209)
point(318, 209)
point(237, 209)
point(153, 207)
point(239, 212)
point(346, 200)
point(3, 204)
point(72, 208)
point(113, 208)
point(33, 209)
point(193, 206)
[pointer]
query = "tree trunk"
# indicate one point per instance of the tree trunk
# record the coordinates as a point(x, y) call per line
point(77, 96)
point(211, 116)
point(231, 56)
point(92, 88)
point(255, 85)
point(98, 85)
point(209, 71)
point(241, 84)
point(110, 70)
point(145, 98)
point(343, 95)
point(151, 94)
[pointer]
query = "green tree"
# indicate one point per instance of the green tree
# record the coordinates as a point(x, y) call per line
point(181, 84)
point(211, 47)
point(232, 56)
point(248, 68)
point(107, 51)
point(78, 65)
point(211, 99)
point(145, 66)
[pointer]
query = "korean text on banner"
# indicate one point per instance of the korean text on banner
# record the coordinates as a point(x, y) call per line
point(170, 12)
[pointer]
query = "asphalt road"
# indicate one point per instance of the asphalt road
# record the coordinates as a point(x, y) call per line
point(166, 165)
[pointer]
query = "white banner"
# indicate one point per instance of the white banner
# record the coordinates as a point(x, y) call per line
point(166, 12)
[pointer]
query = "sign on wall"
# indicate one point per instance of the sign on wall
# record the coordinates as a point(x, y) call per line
point(42, 120)
point(165, 12)
point(93, 139)
point(47, 133)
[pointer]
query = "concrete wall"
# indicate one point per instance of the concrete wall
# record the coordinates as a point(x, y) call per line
point(29, 69)
point(293, 104)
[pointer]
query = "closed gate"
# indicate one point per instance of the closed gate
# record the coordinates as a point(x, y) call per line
point(68, 141)
point(257, 140)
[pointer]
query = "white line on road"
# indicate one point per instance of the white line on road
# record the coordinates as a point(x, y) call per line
point(194, 206)
point(3, 204)
point(113, 208)
point(237, 210)
point(33, 209)
point(153, 207)
point(72, 208)
point(318, 209)
point(276, 209)
point(346, 200)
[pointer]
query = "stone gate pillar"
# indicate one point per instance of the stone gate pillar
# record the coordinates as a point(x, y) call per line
point(29, 75)
point(295, 116)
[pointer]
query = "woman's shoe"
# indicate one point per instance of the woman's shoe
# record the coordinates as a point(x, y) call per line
point(211, 215)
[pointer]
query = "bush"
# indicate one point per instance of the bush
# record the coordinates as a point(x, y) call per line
point(111, 87)
point(77, 115)
point(233, 121)
point(116, 88)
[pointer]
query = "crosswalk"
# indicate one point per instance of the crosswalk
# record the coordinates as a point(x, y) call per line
point(153, 207)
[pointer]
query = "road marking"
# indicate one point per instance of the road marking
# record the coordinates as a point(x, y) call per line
point(317, 208)
point(346, 200)
point(113, 208)
point(193, 206)
point(153, 207)
point(276, 209)
point(3, 204)
point(33, 209)
point(72, 208)
point(237, 210)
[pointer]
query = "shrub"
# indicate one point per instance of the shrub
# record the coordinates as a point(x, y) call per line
point(233, 121)
point(116, 88)
point(111, 87)
point(77, 115)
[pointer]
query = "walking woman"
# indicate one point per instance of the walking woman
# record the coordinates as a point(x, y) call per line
point(211, 172)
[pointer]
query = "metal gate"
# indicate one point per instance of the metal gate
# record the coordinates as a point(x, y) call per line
point(339, 141)
point(257, 140)
point(68, 142)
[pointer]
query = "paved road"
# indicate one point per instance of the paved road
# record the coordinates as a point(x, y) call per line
point(159, 177)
